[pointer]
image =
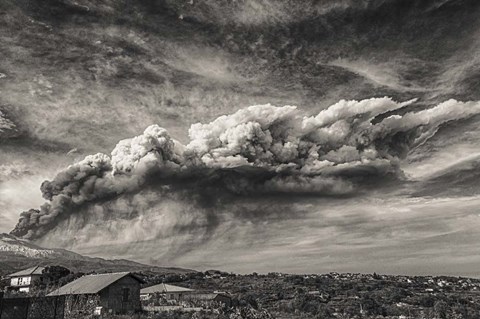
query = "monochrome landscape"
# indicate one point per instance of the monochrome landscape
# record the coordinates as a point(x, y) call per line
point(265, 158)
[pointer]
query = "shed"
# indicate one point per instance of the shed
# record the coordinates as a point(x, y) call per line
point(170, 291)
point(119, 293)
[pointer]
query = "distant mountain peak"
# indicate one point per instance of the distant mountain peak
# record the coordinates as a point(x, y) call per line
point(17, 246)
point(17, 254)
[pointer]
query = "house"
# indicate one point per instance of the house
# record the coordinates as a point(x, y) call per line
point(175, 295)
point(24, 280)
point(118, 293)
point(169, 291)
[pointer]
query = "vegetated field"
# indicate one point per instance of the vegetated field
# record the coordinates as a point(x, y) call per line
point(348, 295)
point(333, 295)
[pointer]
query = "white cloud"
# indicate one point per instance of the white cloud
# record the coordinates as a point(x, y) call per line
point(16, 195)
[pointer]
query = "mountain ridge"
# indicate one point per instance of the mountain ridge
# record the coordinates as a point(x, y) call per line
point(17, 254)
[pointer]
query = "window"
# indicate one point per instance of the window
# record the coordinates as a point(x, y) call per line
point(24, 281)
point(126, 294)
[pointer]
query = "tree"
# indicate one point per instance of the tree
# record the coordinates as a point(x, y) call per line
point(53, 274)
point(440, 307)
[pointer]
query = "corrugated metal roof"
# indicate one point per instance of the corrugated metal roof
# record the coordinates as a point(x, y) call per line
point(37, 270)
point(90, 284)
point(164, 288)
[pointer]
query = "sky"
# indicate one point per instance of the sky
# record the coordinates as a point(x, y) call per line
point(245, 136)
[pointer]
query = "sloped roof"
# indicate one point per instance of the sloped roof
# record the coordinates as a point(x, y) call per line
point(37, 270)
point(90, 284)
point(164, 288)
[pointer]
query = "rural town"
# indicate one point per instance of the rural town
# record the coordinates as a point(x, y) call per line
point(53, 292)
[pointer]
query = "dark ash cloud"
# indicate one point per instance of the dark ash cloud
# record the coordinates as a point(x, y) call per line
point(261, 149)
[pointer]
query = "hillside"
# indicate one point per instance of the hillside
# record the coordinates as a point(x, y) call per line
point(17, 254)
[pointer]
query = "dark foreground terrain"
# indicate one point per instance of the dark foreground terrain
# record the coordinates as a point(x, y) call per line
point(332, 295)
point(343, 295)
point(273, 295)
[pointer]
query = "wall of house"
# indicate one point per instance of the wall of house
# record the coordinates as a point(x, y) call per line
point(113, 297)
point(176, 295)
point(20, 281)
point(24, 281)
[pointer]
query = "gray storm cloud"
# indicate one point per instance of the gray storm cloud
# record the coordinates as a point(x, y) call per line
point(6, 125)
point(259, 149)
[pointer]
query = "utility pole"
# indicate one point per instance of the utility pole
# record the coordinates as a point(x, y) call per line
point(27, 307)
point(54, 307)
point(1, 303)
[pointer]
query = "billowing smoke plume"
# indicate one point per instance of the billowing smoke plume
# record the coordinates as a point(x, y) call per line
point(260, 149)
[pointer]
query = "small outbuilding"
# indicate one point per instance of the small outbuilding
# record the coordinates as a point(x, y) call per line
point(169, 291)
point(118, 293)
